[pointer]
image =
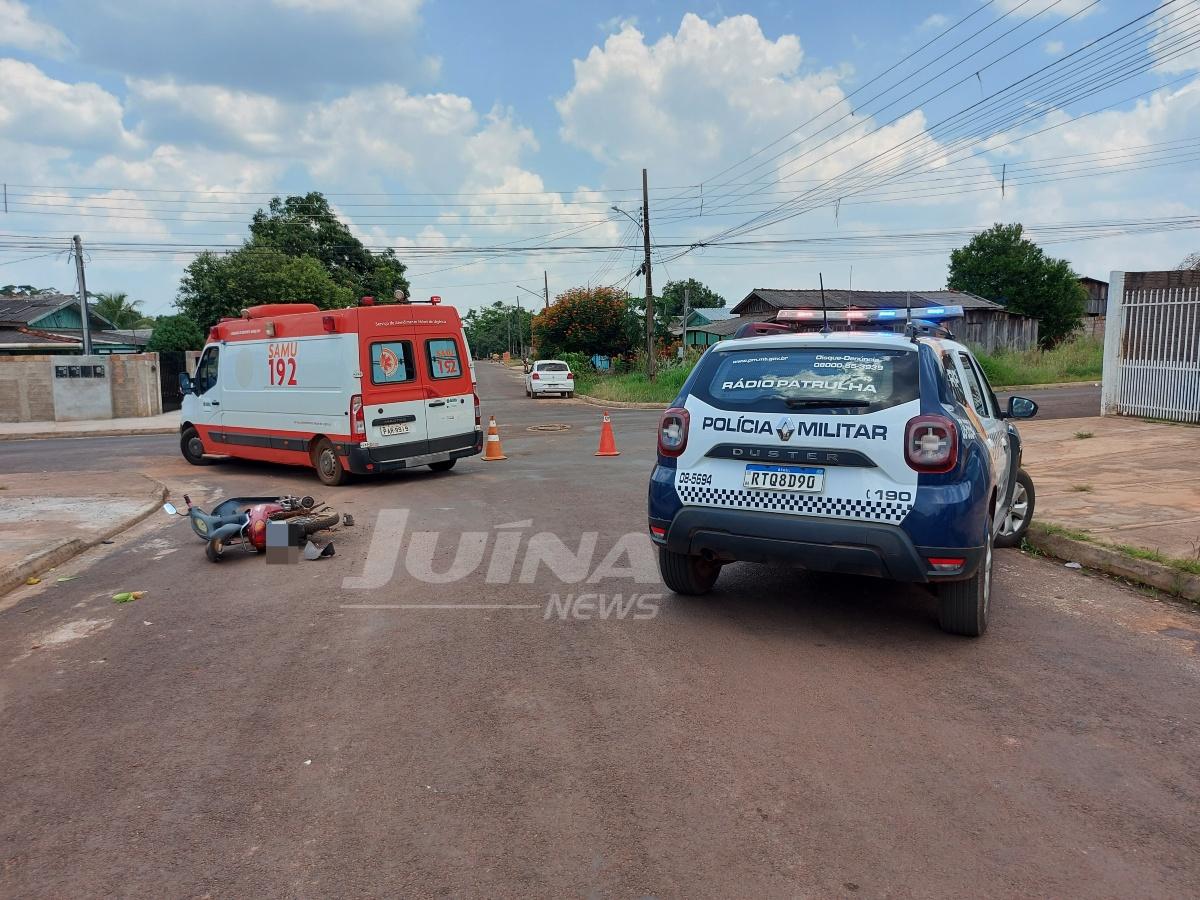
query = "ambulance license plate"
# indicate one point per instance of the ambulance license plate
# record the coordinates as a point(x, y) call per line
point(784, 478)
point(389, 430)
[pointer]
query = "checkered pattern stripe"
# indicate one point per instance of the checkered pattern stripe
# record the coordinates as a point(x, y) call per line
point(799, 504)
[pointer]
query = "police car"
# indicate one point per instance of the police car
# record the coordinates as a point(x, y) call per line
point(862, 451)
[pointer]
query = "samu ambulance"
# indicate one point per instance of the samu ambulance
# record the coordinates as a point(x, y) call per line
point(363, 390)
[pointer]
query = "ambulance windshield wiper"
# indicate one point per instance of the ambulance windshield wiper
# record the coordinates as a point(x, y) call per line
point(798, 403)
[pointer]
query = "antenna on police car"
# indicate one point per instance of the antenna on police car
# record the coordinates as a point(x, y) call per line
point(824, 311)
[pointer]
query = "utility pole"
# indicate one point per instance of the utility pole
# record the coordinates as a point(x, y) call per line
point(520, 330)
point(686, 299)
point(546, 288)
point(649, 281)
point(83, 304)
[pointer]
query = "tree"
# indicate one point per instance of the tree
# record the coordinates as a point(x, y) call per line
point(175, 333)
point(699, 296)
point(214, 286)
point(24, 290)
point(121, 311)
point(497, 328)
point(585, 320)
point(1191, 261)
point(307, 226)
point(1001, 265)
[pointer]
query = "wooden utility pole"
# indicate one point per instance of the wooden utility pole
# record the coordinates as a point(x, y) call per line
point(649, 280)
point(546, 288)
point(83, 304)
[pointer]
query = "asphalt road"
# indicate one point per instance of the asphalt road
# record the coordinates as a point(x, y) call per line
point(1072, 401)
point(255, 730)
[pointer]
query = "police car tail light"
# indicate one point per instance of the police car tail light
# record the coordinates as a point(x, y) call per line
point(358, 422)
point(931, 444)
point(673, 431)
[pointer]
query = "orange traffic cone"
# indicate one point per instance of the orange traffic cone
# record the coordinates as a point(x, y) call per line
point(491, 445)
point(608, 444)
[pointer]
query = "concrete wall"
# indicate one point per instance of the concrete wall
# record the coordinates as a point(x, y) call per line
point(52, 388)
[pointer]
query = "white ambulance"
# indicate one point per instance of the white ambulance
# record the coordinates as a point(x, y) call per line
point(369, 389)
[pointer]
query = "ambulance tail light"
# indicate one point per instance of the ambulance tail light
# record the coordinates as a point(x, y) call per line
point(478, 420)
point(358, 422)
point(329, 323)
point(931, 444)
point(673, 431)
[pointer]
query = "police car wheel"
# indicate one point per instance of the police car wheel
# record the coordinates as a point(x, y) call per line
point(1020, 513)
point(328, 466)
point(192, 447)
point(684, 574)
point(963, 606)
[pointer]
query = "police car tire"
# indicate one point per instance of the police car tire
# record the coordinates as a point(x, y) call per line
point(1014, 539)
point(444, 466)
point(185, 445)
point(331, 475)
point(688, 575)
point(963, 606)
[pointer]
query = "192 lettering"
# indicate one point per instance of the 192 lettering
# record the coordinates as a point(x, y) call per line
point(282, 370)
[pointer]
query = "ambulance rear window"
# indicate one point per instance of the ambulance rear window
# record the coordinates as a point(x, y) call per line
point(392, 362)
point(837, 378)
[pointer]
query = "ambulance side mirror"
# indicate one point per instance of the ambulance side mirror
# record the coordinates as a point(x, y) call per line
point(185, 383)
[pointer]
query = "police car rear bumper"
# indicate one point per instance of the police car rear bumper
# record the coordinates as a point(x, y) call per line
point(815, 543)
point(370, 460)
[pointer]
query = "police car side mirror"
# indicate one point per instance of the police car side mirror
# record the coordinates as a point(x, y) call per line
point(1021, 408)
point(185, 383)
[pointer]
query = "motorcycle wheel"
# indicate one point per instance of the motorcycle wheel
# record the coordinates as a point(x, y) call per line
point(213, 549)
point(313, 524)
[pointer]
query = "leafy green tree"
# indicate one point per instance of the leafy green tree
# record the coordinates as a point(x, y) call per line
point(24, 290)
point(585, 320)
point(699, 295)
point(497, 328)
point(121, 311)
point(1000, 264)
point(1191, 261)
point(175, 333)
point(307, 226)
point(223, 285)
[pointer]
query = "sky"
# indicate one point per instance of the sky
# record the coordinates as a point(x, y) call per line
point(487, 143)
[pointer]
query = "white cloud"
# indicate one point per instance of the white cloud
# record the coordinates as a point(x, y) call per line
point(363, 12)
point(1053, 7)
point(1169, 40)
point(42, 110)
point(1054, 48)
point(935, 22)
point(18, 30)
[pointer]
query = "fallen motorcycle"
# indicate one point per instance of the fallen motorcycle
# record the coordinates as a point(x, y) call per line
point(242, 521)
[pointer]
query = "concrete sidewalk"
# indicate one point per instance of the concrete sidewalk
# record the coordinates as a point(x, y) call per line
point(46, 519)
point(167, 423)
point(1122, 481)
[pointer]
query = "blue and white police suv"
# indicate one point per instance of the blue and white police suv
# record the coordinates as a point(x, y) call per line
point(862, 451)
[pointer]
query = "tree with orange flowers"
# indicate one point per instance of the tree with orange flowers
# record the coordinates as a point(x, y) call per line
point(585, 320)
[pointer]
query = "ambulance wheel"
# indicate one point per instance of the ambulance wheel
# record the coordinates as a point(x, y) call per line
point(685, 574)
point(192, 447)
point(325, 461)
point(444, 466)
point(963, 606)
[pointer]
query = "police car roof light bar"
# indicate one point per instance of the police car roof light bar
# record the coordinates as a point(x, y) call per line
point(929, 313)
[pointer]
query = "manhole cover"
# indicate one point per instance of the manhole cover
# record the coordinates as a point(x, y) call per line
point(550, 426)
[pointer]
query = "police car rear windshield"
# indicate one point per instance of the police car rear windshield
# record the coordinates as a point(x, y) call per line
point(836, 379)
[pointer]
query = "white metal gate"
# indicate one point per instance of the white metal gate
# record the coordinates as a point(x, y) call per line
point(1152, 346)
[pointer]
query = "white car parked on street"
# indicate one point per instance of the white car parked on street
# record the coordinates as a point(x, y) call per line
point(549, 376)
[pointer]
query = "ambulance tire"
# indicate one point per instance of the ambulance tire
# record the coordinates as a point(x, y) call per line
point(444, 466)
point(963, 606)
point(329, 467)
point(686, 574)
point(192, 447)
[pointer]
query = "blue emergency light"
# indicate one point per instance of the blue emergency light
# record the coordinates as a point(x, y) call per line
point(929, 313)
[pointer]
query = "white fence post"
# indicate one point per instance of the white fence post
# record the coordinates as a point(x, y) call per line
point(1114, 332)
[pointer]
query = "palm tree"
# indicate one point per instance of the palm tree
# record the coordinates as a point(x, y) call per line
point(120, 310)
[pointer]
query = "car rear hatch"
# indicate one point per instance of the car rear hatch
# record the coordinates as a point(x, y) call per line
point(813, 429)
point(554, 376)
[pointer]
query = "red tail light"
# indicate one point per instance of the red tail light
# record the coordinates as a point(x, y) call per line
point(673, 431)
point(358, 423)
point(534, 376)
point(931, 444)
point(478, 421)
point(569, 376)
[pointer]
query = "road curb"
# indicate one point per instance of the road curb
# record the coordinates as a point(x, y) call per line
point(617, 404)
point(37, 563)
point(1114, 562)
point(113, 432)
point(1009, 388)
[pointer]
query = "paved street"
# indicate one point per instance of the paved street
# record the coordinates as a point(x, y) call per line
point(1068, 401)
point(255, 730)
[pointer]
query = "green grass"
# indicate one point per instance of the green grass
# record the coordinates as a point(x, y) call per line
point(1079, 435)
point(633, 387)
point(1072, 533)
point(1187, 566)
point(1078, 360)
point(1078, 488)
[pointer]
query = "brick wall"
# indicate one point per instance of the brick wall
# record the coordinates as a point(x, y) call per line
point(26, 393)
